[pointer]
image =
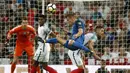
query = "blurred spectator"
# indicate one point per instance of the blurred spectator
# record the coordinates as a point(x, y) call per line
point(121, 59)
point(115, 50)
point(128, 55)
point(2, 7)
point(4, 53)
point(99, 22)
point(97, 14)
point(106, 55)
point(1, 47)
point(127, 20)
point(102, 69)
point(119, 71)
point(14, 5)
point(54, 55)
point(68, 7)
point(32, 12)
point(105, 11)
point(61, 56)
point(79, 7)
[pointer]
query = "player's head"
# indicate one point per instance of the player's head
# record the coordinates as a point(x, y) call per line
point(42, 19)
point(99, 31)
point(103, 63)
point(24, 20)
point(71, 17)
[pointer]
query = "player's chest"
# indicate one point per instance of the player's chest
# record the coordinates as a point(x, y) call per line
point(24, 33)
point(43, 30)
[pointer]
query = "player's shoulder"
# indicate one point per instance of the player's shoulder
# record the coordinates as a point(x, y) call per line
point(16, 27)
point(79, 21)
point(29, 26)
point(89, 34)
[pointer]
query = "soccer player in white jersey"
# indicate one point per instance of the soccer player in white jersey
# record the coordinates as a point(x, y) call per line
point(90, 39)
point(43, 50)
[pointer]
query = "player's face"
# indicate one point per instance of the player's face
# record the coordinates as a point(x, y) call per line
point(25, 22)
point(70, 20)
point(103, 63)
point(41, 21)
point(100, 32)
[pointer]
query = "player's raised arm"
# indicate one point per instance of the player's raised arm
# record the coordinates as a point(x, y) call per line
point(90, 45)
point(14, 30)
point(80, 29)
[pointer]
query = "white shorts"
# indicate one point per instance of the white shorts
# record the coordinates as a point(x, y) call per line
point(42, 53)
point(75, 57)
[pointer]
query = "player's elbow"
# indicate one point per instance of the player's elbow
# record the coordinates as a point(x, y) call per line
point(81, 31)
point(90, 45)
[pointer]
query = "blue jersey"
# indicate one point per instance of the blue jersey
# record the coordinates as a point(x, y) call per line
point(77, 25)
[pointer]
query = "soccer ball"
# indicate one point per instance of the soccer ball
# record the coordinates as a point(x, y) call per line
point(51, 8)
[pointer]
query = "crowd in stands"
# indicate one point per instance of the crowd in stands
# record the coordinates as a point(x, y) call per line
point(114, 16)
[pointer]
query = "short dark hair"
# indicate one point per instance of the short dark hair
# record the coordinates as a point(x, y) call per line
point(24, 18)
point(99, 27)
point(42, 16)
point(70, 13)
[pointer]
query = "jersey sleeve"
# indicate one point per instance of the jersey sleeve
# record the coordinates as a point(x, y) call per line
point(94, 38)
point(14, 30)
point(88, 37)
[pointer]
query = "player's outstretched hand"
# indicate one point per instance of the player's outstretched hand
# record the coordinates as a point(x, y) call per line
point(8, 36)
point(91, 53)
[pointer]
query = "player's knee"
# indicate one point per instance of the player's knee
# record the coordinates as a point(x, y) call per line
point(80, 67)
point(15, 60)
point(71, 42)
point(36, 63)
point(44, 65)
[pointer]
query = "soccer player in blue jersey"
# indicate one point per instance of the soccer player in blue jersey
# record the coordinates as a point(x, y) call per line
point(77, 34)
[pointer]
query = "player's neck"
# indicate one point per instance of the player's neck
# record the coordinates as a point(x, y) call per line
point(42, 24)
point(24, 26)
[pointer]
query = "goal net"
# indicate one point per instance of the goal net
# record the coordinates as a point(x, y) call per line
point(113, 15)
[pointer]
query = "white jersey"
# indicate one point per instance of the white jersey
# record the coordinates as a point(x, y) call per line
point(43, 49)
point(75, 55)
point(43, 31)
point(90, 36)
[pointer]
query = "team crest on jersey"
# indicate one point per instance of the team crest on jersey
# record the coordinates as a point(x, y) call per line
point(25, 33)
point(79, 23)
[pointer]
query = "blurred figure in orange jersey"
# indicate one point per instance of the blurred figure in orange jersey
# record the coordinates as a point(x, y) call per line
point(24, 42)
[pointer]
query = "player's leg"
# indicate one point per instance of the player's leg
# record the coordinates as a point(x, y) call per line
point(75, 45)
point(48, 68)
point(31, 63)
point(46, 60)
point(76, 60)
point(17, 53)
point(38, 57)
point(35, 67)
point(13, 64)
